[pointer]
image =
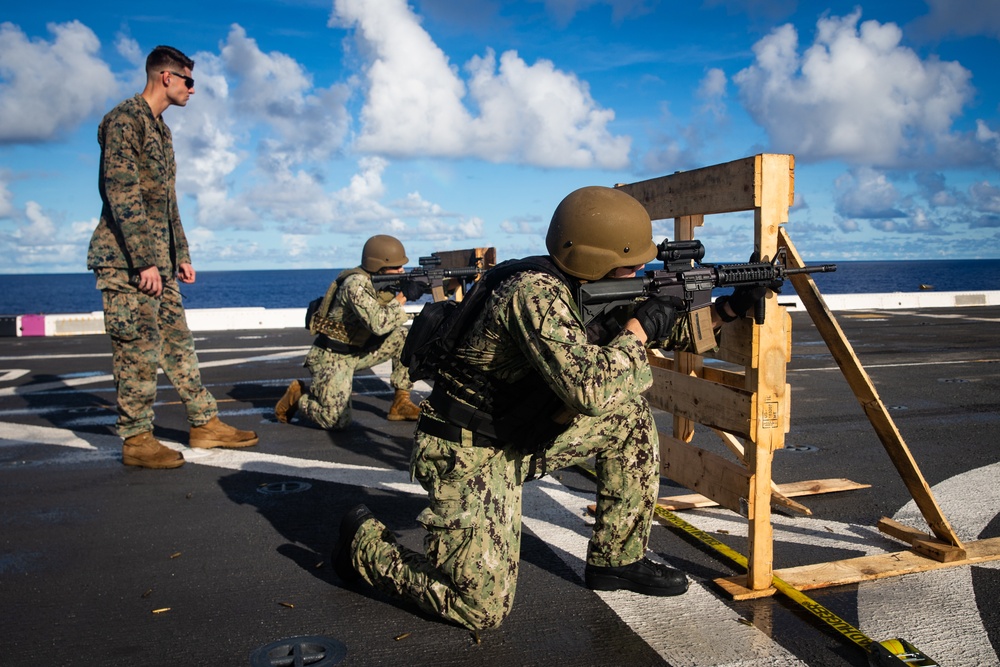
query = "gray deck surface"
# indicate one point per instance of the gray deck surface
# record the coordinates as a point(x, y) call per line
point(236, 544)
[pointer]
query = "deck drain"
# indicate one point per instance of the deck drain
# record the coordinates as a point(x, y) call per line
point(801, 448)
point(279, 488)
point(298, 652)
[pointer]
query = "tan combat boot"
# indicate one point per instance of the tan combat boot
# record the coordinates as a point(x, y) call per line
point(217, 434)
point(145, 451)
point(402, 408)
point(289, 403)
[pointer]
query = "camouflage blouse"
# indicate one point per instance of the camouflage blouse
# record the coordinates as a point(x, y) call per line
point(363, 311)
point(140, 224)
point(531, 323)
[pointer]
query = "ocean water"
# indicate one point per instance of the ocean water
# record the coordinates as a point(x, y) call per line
point(75, 292)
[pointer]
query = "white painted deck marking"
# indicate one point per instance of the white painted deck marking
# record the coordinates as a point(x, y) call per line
point(935, 610)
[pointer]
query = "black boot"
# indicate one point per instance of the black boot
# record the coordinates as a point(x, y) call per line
point(349, 526)
point(643, 576)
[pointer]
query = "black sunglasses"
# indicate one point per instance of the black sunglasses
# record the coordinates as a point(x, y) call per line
point(188, 81)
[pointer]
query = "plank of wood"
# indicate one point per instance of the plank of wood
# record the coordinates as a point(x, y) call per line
point(723, 481)
point(790, 490)
point(938, 550)
point(880, 566)
point(734, 587)
point(704, 402)
point(721, 188)
point(864, 390)
point(900, 531)
point(787, 504)
point(724, 376)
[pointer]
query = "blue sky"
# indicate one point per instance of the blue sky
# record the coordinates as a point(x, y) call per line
point(460, 124)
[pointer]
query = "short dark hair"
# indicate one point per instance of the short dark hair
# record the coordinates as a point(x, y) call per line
point(166, 57)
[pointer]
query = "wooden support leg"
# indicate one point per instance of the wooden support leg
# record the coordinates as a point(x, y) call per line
point(866, 394)
point(759, 535)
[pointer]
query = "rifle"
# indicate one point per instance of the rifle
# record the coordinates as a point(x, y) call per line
point(683, 276)
point(427, 277)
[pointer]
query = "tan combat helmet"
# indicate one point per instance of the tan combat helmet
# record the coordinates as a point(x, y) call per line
point(382, 251)
point(596, 229)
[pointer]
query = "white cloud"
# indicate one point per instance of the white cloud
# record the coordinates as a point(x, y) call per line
point(866, 193)
point(47, 88)
point(40, 229)
point(267, 101)
point(916, 222)
point(38, 241)
point(985, 197)
point(129, 49)
point(7, 209)
point(522, 227)
point(856, 95)
point(274, 89)
point(989, 140)
point(713, 85)
point(534, 114)
point(207, 143)
point(83, 230)
point(935, 191)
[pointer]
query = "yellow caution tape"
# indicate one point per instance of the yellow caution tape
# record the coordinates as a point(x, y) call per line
point(913, 656)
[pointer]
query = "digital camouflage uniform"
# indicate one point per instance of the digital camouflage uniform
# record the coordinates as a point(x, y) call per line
point(140, 226)
point(373, 329)
point(468, 573)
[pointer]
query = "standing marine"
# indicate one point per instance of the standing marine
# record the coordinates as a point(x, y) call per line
point(138, 252)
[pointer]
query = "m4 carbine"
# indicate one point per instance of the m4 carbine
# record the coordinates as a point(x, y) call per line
point(684, 277)
point(425, 278)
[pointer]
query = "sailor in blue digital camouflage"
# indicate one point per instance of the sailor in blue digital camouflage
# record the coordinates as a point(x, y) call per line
point(356, 327)
point(527, 393)
point(138, 252)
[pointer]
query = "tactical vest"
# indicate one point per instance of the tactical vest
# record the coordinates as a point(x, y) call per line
point(338, 327)
point(516, 414)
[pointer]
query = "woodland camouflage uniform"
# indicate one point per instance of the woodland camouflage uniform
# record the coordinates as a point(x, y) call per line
point(373, 327)
point(140, 226)
point(469, 572)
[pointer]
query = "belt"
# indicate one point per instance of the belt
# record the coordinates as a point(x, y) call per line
point(324, 342)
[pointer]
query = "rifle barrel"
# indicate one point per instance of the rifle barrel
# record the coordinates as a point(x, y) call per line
point(819, 268)
point(459, 272)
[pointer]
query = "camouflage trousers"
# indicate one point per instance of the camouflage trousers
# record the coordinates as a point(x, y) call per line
point(328, 403)
point(468, 573)
point(148, 333)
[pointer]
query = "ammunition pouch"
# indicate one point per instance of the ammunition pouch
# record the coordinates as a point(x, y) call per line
point(333, 329)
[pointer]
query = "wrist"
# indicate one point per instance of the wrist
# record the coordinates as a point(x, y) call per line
point(635, 327)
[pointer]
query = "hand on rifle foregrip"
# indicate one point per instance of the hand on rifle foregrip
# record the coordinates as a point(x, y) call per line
point(412, 290)
point(746, 297)
point(657, 315)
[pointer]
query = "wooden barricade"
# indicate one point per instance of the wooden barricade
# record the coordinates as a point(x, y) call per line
point(750, 409)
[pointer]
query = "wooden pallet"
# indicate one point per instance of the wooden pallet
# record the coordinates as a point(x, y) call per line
point(749, 407)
